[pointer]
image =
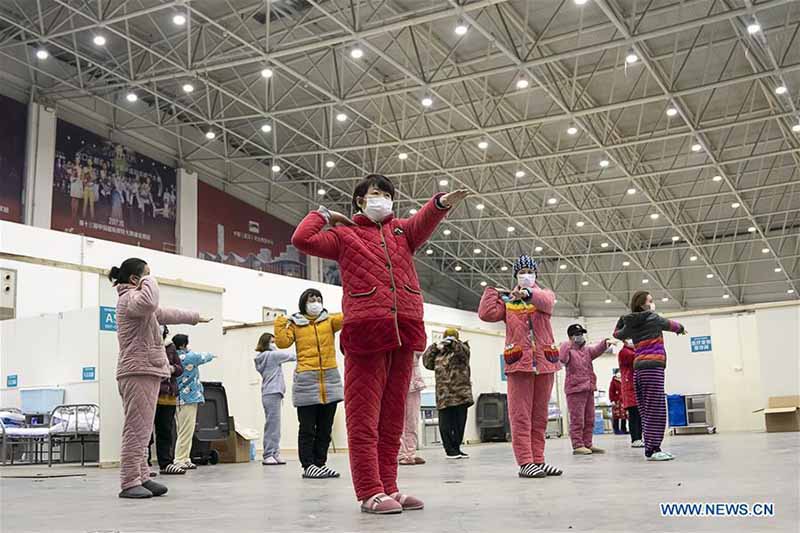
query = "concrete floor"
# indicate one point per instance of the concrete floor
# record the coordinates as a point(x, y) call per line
point(616, 492)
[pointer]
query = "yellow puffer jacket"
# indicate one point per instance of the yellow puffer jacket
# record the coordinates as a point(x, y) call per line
point(317, 379)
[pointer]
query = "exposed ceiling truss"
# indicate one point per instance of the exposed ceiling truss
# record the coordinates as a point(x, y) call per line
point(626, 144)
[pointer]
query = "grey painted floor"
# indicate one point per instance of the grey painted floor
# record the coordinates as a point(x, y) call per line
point(615, 492)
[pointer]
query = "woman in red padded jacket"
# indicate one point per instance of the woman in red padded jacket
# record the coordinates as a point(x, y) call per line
point(383, 325)
point(625, 358)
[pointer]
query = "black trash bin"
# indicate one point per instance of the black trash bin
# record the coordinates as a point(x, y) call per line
point(212, 423)
point(492, 417)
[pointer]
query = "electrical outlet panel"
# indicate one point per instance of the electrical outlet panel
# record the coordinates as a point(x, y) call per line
point(8, 294)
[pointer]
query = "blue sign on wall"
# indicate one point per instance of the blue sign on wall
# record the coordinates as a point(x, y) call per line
point(108, 319)
point(89, 373)
point(701, 344)
point(12, 380)
point(503, 376)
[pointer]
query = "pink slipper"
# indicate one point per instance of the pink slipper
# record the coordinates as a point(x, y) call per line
point(407, 462)
point(409, 503)
point(381, 504)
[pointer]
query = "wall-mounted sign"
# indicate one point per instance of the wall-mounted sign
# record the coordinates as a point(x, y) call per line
point(12, 380)
point(700, 344)
point(108, 318)
point(89, 373)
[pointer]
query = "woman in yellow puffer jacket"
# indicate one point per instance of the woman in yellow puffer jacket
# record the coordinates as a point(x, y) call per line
point(317, 386)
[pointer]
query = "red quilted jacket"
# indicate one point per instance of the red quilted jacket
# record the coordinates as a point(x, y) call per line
point(625, 357)
point(382, 301)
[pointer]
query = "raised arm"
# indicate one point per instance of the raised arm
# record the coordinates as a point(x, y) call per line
point(311, 238)
point(596, 350)
point(671, 325)
point(429, 357)
point(543, 299)
point(143, 300)
point(492, 307)
point(284, 332)
point(421, 226)
point(177, 316)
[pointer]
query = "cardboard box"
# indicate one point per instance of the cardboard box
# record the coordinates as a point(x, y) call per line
point(236, 448)
point(782, 414)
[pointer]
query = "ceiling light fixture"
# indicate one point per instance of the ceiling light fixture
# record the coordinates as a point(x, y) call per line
point(607, 300)
point(753, 28)
point(179, 19)
point(781, 89)
point(480, 207)
point(429, 251)
point(709, 276)
point(626, 263)
point(654, 216)
point(751, 229)
point(504, 268)
point(726, 296)
point(519, 174)
point(511, 229)
point(778, 269)
point(522, 83)
point(693, 258)
point(572, 130)
point(443, 183)
point(99, 40)
point(341, 117)
point(645, 281)
point(671, 111)
point(584, 283)
point(266, 128)
point(735, 205)
point(563, 267)
point(210, 135)
point(796, 128)
point(675, 238)
point(631, 191)
point(402, 156)
point(696, 147)
point(476, 251)
point(483, 283)
point(717, 178)
point(603, 245)
point(580, 223)
point(631, 57)
point(356, 53)
point(461, 28)
point(413, 211)
point(765, 250)
point(131, 97)
point(447, 232)
point(426, 101)
point(665, 299)
point(330, 164)
point(790, 291)
point(266, 73)
point(458, 268)
point(321, 192)
point(483, 145)
point(552, 201)
point(42, 53)
point(188, 88)
point(276, 168)
point(604, 163)
point(538, 249)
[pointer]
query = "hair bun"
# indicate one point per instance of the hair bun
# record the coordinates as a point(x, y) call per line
point(114, 274)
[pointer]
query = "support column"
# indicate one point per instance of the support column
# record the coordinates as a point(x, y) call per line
point(186, 227)
point(39, 163)
point(314, 265)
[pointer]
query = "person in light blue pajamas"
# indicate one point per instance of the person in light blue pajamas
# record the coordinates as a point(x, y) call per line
point(190, 395)
point(268, 363)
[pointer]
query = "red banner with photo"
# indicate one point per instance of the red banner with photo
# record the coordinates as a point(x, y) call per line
point(106, 190)
point(13, 129)
point(234, 232)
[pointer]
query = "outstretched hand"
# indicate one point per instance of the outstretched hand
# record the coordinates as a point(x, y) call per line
point(452, 199)
point(338, 218)
point(204, 320)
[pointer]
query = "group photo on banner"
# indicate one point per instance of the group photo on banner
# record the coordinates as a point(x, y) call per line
point(105, 189)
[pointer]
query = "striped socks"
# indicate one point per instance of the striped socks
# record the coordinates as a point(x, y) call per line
point(319, 472)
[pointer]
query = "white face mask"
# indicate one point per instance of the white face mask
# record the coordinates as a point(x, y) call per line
point(652, 306)
point(526, 281)
point(272, 347)
point(314, 308)
point(378, 208)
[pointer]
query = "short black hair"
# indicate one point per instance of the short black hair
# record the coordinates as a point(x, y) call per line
point(378, 181)
point(180, 341)
point(305, 296)
point(130, 267)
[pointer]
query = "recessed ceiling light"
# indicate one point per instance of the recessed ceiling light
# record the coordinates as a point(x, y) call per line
point(765, 250)
point(330, 164)
point(603, 245)
point(671, 111)
point(519, 174)
point(429, 251)
point(266, 128)
point(538, 249)
point(480, 207)
point(522, 83)
point(461, 28)
point(443, 183)
point(131, 97)
point(572, 130)
point(447, 232)
point(717, 178)
point(99, 40)
point(645, 281)
point(511, 229)
point(563, 267)
point(693, 258)
point(356, 53)
point(458, 268)
point(413, 211)
point(696, 147)
point(607, 300)
point(276, 168)
point(726, 296)
point(626, 263)
point(483, 283)
point(266, 73)
point(210, 135)
point(42, 54)
point(631, 191)
point(402, 155)
point(604, 163)
point(504, 268)
point(321, 192)
point(631, 58)
point(675, 238)
point(552, 201)
point(341, 117)
point(751, 229)
point(753, 27)
point(580, 223)
point(665, 299)
point(778, 269)
point(427, 101)
point(476, 251)
point(584, 283)
point(654, 216)
point(735, 205)
point(781, 89)
point(188, 88)
point(483, 145)
point(179, 20)
point(709, 276)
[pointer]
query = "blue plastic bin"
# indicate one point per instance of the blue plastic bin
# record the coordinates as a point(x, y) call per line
point(599, 425)
point(676, 409)
point(40, 401)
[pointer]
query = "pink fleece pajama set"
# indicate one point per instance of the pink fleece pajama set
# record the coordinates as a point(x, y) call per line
point(581, 382)
point(141, 366)
point(410, 439)
point(530, 364)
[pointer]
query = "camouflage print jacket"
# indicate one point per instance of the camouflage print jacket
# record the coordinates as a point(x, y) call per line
point(450, 361)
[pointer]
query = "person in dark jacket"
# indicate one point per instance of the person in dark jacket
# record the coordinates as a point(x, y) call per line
point(645, 327)
point(165, 413)
point(449, 359)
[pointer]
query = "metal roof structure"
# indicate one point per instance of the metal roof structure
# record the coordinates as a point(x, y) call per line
point(623, 143)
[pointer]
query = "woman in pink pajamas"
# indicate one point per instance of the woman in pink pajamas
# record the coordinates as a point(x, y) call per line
point(141, 366)
point(531, 360)
point(409, 440)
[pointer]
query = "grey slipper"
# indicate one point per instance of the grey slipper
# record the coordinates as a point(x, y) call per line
point(156, 488)
point(138, 492)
